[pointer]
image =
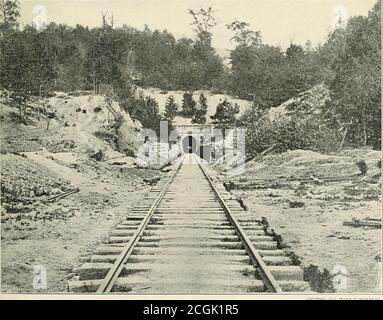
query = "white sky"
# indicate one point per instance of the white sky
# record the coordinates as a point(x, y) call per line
point(280, 21)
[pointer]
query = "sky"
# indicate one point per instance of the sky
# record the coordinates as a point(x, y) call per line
point(281, 22)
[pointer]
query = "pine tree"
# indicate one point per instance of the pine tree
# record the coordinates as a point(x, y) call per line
point(188, 105)
point(146, 111)
point(171, 109)
point(200, 114)
point(152, 117)
point(224, 116)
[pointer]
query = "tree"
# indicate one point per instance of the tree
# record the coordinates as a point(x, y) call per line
point(225, 115)
point(106, 56)
point(256, 74)
point(203, 22)
point(171, 109)
point(92, 58)
point(9, 13)
point(353, 54)
point(206, 67)
point(264, 74)
point(200, 113)
point(27, 66)
point(145, 110)
point(188, 105)
point(294, 53)
point(300, 71)
point(244, 36)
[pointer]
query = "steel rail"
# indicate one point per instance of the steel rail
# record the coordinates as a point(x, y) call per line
point(111, 277)
point(256, 259)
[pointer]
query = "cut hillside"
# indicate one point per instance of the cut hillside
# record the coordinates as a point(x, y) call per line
point(300, 123)
point(85, 123)
point(305, 104)
point(64, 189)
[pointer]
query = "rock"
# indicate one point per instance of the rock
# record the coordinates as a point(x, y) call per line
point(128, 140)
point(141, 163)
point(296, 204)
point(151, 181)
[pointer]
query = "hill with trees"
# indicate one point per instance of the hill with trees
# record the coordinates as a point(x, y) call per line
point(116, 60)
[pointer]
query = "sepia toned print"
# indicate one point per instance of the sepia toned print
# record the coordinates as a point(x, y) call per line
point(188, 148)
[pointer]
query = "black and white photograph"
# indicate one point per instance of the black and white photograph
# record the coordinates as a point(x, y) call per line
point(191, 148)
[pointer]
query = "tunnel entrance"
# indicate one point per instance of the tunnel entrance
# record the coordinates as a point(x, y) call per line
point(189, 144)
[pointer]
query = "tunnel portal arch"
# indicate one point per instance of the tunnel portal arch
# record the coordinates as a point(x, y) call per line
point(195, 138)
point(189, 144)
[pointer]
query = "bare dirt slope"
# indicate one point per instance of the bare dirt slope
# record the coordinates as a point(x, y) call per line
point(57, 235)
point(80, 150)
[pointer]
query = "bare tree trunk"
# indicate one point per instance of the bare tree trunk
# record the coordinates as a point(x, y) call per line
point(94, 78)
point(364, 134)
point(22, 114)
point(343, 139)
point(38, 107)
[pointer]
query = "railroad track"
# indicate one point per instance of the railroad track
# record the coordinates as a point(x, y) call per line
point(189, 237)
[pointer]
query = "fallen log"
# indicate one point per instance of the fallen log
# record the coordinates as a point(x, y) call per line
point(260, 155)
point(248, 183)
point(362, 223)
point(374, 219)
point(63, 195)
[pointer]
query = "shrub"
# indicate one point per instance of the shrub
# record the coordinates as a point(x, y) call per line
point(362, 165)
point(98, 156)
point(97, 109)
point(289, 134)
point(319, 281)
point(107, 136)
point(144, 109)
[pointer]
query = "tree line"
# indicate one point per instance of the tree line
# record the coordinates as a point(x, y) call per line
point(63, 58)
point(348, 64)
